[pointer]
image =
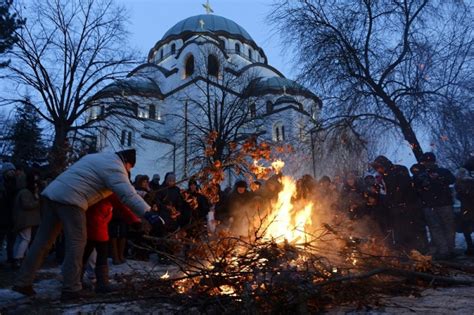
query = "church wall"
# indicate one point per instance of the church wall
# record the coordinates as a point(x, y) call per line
point(162, 156)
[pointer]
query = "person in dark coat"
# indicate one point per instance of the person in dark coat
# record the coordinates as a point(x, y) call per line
point(8, 191)
point(170, 199)
point(142, 185)
point(326, 194)
point(201, 205)
point(374, 205)
point(404, 208)
point(465, 193)
point(432, 185)
point(351, 196)
point(237, 199)
point(26, 217)
point(155, 182)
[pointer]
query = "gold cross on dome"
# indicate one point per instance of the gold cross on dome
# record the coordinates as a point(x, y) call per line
point(208, 8)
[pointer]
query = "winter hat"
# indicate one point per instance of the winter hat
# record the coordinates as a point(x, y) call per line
point(381, 161)
point(428, 157)
point(169, 175)
point(7, 166)
point(416, 169)
point(128, 156)
point(156, 178)
point(325, 179)
point(241, 184)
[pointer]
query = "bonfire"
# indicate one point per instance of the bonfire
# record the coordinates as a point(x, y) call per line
point(294, 255)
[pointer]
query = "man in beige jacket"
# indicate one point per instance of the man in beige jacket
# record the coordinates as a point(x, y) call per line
point(65, 201)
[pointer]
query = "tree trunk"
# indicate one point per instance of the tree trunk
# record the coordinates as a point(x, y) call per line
point(405, 126)
point(59, 151)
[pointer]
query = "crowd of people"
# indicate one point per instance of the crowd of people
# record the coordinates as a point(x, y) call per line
point(93, 206)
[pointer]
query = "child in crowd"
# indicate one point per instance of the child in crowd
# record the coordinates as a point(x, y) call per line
point(98, 218)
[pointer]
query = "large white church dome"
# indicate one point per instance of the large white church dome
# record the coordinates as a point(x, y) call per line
point(210, 23)
point(231, 36)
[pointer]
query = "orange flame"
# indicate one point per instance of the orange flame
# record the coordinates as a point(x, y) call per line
point(278, 165)
point(286, 221)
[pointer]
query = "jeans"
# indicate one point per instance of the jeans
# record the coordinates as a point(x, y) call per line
point(22, 242)
point(440, 221)
point(57, 216)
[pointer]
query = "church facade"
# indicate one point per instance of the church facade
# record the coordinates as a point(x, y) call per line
point(205, 73)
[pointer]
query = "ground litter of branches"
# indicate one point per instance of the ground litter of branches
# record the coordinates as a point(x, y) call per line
point(226, 274)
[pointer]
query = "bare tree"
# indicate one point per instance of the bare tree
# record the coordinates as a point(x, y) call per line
point(6, 143)
point(453, 135)
point(216, 106)
point(378, 60)
point(66, 52)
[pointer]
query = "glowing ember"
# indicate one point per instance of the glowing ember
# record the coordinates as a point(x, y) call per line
point(287, 221)
point(227, 290)
point(165, 276)
point(278, 165)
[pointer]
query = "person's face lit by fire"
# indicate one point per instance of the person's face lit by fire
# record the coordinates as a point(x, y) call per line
point(193, 187)
point(241, 190)
point(128, 167)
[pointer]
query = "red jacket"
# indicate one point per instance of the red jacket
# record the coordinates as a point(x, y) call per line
point(100, 214)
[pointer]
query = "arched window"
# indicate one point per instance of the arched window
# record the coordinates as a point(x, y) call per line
point(250, 53)
point(212, 65)
point(278, 132)
point(173, 49)
point(129, 139)
point(314, 110)
point(161, 54)
point(126, 138)
point(189, 66)
point(253, 110)
point(152, 111)
point(269, 107)
point(237, 48)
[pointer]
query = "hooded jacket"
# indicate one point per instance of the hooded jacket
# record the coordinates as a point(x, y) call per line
point(93, 178)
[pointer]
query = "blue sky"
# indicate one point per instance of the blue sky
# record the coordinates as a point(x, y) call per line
point(150, 19)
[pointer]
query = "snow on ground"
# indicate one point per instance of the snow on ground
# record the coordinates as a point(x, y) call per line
point(48, 290)
point(452, 300)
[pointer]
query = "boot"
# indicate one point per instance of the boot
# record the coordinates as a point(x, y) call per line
point(114, 251)
point(89, 284)
point(26, 290)
point(122, 242)
point(102, 284)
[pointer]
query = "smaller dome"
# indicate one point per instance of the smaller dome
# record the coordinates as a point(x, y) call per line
point(279, 85)
point(285, 99)
point(131, 86)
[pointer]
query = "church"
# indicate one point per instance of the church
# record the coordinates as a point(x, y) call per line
point(205, 74)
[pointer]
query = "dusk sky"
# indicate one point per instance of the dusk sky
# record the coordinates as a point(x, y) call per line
point(150, 19)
